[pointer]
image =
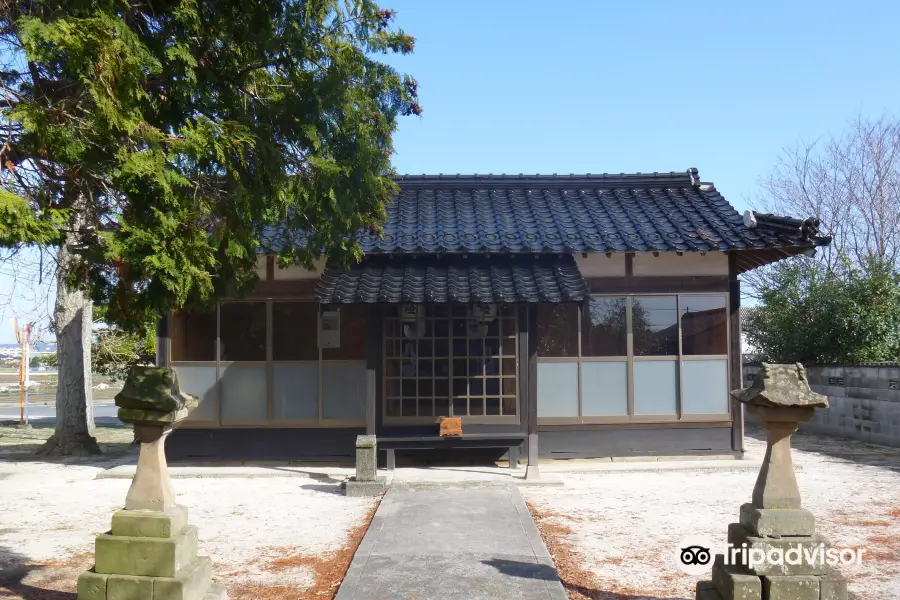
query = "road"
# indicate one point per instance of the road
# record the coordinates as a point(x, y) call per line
point(104, 412)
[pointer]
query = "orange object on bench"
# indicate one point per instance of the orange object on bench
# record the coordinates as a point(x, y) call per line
point(451, 426)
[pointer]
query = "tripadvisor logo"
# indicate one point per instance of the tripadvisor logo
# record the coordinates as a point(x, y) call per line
point(793, 555)
point(695, 555)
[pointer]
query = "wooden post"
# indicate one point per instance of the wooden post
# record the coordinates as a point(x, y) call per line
point(370, 401)
point(23, 366)
point(373, 364)
point(163, 337)
point(735, 354)
point(532, 471)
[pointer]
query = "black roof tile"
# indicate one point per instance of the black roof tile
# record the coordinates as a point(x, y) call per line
point(454, 278)
point(569, 213)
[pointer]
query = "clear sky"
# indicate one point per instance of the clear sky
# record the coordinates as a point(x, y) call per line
point(527, 86)
point(626, 86)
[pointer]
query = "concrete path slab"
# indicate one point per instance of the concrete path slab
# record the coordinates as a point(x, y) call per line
point(452, 543)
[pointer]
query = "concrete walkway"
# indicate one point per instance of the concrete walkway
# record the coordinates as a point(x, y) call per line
point(452, 543)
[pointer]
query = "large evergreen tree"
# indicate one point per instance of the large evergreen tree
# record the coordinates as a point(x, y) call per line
point(156, 144)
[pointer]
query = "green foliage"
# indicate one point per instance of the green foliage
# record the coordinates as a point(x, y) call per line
point(43, 360)
point(813, 315)
point(20, 224)
point(169, 142)
point(114, 350)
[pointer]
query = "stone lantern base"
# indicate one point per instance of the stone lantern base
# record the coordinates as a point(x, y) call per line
point(149, 555)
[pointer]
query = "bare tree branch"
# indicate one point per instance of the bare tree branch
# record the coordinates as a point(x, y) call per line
point(852, 183)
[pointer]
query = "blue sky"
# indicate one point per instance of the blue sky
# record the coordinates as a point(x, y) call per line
point(595, 86)
point(530, 86)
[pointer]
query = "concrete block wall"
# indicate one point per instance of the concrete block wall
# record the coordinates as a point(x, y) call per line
point(862, 403)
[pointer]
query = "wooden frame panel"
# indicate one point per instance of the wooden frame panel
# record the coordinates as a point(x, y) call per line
point(610, 286)
point(631, 360)
point(269, 364)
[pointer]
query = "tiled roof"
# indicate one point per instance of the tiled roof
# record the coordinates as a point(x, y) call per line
point(455, 279)
point(575, 213)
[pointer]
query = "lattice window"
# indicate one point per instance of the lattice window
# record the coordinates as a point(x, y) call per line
point(450, 365)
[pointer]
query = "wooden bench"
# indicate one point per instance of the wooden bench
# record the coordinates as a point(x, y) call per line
point(512, 441)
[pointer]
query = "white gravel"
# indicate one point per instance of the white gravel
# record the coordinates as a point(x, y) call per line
point(50, 513)
point(626, 526)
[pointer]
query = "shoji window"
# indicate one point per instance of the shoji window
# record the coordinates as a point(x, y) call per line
point(633, 358)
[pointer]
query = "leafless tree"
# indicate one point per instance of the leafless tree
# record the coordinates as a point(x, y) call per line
point(852, 183)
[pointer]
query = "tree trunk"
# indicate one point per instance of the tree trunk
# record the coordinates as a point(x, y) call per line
point(73, 320)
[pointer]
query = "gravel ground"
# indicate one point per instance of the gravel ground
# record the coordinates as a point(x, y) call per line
point(613, 535)
point(275, 539)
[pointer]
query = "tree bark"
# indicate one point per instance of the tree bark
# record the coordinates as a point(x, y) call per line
point(73, 320)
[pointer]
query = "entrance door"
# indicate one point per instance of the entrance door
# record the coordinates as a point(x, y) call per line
point(451, 362)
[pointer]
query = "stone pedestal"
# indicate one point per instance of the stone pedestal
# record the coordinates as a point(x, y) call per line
point(150, 553)
point(366, 482)
point(776, 485)
point(774, 523)
point(151, 488)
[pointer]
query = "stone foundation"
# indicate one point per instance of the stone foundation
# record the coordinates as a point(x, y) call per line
point(149, 555)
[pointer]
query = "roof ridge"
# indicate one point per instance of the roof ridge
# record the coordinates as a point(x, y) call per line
point(688, 177)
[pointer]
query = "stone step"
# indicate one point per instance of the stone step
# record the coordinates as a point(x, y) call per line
point(706, 591)
point(146, 523)
point(793, 549)
point(152, 557)
point(733, 583)
point(795, 587)
point(192, 583)
point(777, 522)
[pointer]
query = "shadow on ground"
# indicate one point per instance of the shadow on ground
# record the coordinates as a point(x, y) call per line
point(527, 570)
point(841, 449)
point(22, 578)
point(333, 489)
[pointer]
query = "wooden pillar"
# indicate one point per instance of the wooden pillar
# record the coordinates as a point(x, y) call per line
point(163, 340)
point(370, 401)
point(532, 471)
point(373, 366)
point(735, 354)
